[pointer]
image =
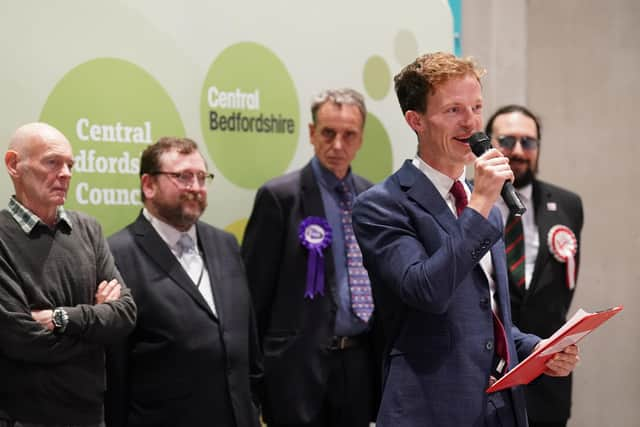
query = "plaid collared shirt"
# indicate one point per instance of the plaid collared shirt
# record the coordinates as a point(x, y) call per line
point(27, 220)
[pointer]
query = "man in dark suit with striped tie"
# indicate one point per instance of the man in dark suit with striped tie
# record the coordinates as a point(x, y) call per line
point(542, 271)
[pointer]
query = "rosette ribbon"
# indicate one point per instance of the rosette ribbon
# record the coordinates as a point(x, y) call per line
point(315, 235)
point(564, 246)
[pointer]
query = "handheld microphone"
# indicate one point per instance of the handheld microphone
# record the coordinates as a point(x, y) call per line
point(479, 143)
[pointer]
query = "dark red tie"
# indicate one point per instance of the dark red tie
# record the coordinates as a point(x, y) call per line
point(457, 190)
point(500, 337)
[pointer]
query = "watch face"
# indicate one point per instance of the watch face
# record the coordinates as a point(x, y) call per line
point(56, 318)
point(60, 318)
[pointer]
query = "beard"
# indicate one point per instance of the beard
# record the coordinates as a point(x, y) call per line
point(525, 178)
point(181, 214)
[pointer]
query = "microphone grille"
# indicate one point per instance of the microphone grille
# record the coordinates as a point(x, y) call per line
point(479, 143)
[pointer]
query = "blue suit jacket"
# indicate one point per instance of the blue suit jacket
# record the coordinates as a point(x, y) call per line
point(434, 302)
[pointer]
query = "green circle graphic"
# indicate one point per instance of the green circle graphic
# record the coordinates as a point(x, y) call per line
point(237, 228)
point(377, 77)
point(405, 47)
point(375, 159)
point(110, 110)
point(250, 114)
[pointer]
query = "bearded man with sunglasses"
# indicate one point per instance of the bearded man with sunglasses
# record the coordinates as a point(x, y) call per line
point(193, 358)
point(543, 275)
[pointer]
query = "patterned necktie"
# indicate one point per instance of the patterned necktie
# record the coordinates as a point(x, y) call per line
point(460, 196)
point(500, 336)
point(189, 256)
point(359, 285)
point(514, 243)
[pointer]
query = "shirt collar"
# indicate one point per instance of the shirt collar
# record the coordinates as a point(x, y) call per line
point(526, 192)
point(327, 179)
point(167, 232)
point(27, 220)
point(441, 181)
point(526, 196)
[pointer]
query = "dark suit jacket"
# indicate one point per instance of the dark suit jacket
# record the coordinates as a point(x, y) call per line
point(182, 366)
point(434, 302)
point(543, 308)
point(295, 332)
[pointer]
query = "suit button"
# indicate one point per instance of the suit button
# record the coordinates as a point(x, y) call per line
point(486, 242)
point(484, 302)
point(489, 345)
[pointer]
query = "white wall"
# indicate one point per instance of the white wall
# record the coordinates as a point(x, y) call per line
point(576, 62)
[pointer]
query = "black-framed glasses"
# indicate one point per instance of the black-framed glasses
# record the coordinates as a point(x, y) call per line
point(185, 178)
point(509, 141)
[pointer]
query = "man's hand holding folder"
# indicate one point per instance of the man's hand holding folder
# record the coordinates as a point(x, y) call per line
point(562, 363)
point(557, 355)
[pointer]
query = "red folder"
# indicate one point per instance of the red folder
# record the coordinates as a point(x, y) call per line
point(576, 328)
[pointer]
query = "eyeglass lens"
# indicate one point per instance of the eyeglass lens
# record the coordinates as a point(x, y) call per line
point(186, 178)
point(509, 142)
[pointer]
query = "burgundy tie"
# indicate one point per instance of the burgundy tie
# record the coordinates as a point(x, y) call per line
point(500, 337)
point(501, 349)
point(457, 190)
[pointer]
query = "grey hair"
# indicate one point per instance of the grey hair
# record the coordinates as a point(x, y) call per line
point(343, 96)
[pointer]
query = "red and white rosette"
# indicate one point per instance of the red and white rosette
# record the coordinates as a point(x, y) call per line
point(564, 246)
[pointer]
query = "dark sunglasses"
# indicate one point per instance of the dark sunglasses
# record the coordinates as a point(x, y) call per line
point(509, 141)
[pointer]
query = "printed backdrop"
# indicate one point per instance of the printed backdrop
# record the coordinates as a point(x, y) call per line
point(236, 77)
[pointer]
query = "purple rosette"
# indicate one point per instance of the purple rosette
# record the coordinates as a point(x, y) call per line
point(315, 235)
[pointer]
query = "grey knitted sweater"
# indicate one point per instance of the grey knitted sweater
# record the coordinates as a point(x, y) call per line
point(47, 378)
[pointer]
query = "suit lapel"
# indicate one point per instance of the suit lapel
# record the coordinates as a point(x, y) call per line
point(500, 268)
point(422, 191)
point(153, 245)
point(212, 258)
point(311, 199)
point(360, 184)
point(544, 220)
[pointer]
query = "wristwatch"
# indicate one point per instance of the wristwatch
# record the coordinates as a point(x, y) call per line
point(60, 320)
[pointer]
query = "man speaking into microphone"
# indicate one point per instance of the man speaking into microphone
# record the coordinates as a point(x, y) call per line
point(434, 251)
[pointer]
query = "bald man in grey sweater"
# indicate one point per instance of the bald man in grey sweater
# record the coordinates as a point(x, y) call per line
point(61, 297)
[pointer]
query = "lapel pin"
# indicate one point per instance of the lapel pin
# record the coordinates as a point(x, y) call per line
point(551, 206)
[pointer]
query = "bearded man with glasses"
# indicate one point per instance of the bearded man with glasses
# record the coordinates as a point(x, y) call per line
point(541, 296)
point(193, 358)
